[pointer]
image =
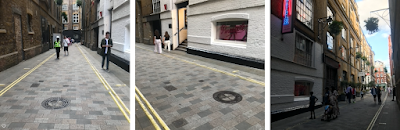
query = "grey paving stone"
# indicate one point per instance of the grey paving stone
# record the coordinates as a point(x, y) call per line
point(206, 126)
point(15, 125)
point(113, 117)
point(164, 107)
point(161, 97)
point(45, 89)
point(113, 109)
point(187, 96)
point(32, 111)
point(204, 113)
point(2, 114)
point(260, 115)
point(71, 89)
point(83, 121)
point(243, 126)
point(57, 92)
point(98, 102)
point(206, 87)
point(179, 123)
point(46, 126)
point(183, 110)
point(16, 107)
point(73, 116)
point(196, 101)
point(251, 99)
point(95, 113)
point(226, 110)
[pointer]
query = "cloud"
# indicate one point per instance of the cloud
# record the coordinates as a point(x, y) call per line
point(364, 9)
point(385, 35)
point(368, 35)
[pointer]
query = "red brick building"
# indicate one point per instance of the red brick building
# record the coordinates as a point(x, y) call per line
point(380, 74)
point(26, 28)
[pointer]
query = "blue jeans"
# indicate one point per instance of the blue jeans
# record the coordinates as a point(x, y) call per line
point(108, 60)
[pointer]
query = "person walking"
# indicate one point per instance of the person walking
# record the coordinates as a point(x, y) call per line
point(157, 42)
point(362, 94)
point(106, 45)
point(166, 41)
point(57, 45)
point(66, 43)
point(394, 92)
point(353, 92)
point(348, 93)
point(373, 92)
point(379, 93)
point(313, 100)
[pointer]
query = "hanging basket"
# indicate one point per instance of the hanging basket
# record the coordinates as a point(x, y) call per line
point(372, 25)
point(358, 55)
point(336, 27)
point(364, 58)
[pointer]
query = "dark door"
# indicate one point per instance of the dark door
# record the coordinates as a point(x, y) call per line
point(18, 37)
point(331, 77)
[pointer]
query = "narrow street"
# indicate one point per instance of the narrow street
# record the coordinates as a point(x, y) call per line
point(364, 114)
point(81, 95)
point(181, 92)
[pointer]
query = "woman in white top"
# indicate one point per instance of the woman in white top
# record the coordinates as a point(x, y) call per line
point(166, 41)
point(157, 42)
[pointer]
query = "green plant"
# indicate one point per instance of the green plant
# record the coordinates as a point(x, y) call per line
point(59, 2)
point(385, 70)
point(364, 58)
point(358, 55)
point(343, 83)
point(63, 14)
point(79, 3)
point(336, 27)
point(368, 63)
point(372, 25)
point(371, 84)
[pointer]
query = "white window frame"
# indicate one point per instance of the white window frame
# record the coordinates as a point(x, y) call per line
point(224, 18)
point(344, 33)
point(64, 7)
point(64, 21)
point(156, 6)
point(75, 7)
point(302, 6)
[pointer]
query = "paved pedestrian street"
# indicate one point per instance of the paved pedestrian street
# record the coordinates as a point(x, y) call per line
point(364, 114)
point(181, 92)
point(71, 82)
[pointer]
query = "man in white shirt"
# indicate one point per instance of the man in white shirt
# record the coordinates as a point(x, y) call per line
point(65, 45)
point(106, 45)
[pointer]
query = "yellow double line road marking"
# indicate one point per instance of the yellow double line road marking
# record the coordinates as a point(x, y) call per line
point(152, 110)
point(23, 76)
point(371, 125)
point(224, 72)
point(121, 105)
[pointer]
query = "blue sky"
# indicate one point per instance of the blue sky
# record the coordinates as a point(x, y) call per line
point(378, 40)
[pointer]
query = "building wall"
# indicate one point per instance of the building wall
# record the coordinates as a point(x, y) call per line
point(120, 23)
point(201, 33)
point(33, 44)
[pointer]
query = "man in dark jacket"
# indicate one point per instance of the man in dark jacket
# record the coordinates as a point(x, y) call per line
point(106, 45)
point(394, 93)
point(379, 93)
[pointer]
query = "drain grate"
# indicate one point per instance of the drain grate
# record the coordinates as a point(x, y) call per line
point(35, 85)
point(227, 97)
point(170, 88)
point(179, 123)
point(55, 103)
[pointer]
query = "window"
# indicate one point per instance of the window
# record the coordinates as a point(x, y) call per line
point(344, 33)
point(302, 88)
point(232, 31)
point(75, 27)
point(64, 7)
point(156, 6)
point(329, 41)
point(378, 81)
point(303, 53)
point(75, 7)
point(344, 56)
point(344, 76)
point(30, 23)
point(382, 81)
point(351, 42)
point(330, 14)
point(304, 11)
point(352, 77)
point(76, 18)
point(65, 27)
point(64, 21)
point(352, 60)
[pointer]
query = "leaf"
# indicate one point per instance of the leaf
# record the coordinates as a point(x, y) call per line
point(79, 3)
point(372, 25)
point(336, 27)
point(59, 2)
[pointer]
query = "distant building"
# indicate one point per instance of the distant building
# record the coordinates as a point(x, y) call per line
point(380, 74)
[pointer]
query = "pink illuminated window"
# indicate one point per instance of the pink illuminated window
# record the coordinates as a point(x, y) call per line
point(233, 31)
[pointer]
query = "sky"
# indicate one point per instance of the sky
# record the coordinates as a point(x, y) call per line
point(378, 40)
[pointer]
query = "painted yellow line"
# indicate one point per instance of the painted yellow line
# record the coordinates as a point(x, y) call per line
point(227, 73)
point(119, 106)
point(148, 114)
point(371, 125)
point(23, 76)
point(2, 84)
point(107, 86)
point(152, 109)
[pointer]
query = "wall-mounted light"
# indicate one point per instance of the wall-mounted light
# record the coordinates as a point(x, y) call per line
point(165, 6)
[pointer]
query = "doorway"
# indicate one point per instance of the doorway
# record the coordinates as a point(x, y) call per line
point(331, 78)
point(18, 37)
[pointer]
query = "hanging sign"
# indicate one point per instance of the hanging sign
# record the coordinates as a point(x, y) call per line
point(287, 25)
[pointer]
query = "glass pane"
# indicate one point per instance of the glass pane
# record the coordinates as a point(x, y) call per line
point(233, 30)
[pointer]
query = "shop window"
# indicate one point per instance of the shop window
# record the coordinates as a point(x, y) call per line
point(232, 31)
point(302, 88)
point(304, 12)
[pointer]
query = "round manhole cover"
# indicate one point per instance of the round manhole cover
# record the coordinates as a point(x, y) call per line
point(227, 97)
point(55, 103)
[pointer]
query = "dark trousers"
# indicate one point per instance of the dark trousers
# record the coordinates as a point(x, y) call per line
point(349, 97)
point(108, 60)
point(58, 51)
point(379, 97)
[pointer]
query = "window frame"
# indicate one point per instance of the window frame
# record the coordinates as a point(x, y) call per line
point(330, 38)
point(344, 33)
point(303, 8)
point(304, 51)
